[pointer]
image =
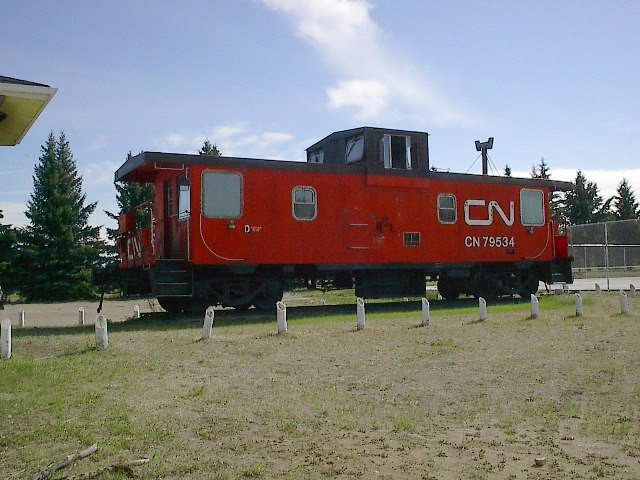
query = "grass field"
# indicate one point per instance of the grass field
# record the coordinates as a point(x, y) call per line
point(458, 399)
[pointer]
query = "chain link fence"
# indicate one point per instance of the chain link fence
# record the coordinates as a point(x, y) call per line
point(610, 249)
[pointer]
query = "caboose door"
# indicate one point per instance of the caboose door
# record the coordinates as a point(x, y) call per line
point(176, 218)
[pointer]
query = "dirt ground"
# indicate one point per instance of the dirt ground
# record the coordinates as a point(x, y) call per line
point(459, 399)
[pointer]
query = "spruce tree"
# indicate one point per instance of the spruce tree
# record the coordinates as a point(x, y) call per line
point(58, 249)
point(209, 148)
point(7, 241)
point(555, 199)
point(584, 203)
point(624, 203)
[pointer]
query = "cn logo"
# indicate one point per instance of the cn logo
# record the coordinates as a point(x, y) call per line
point(486, 212)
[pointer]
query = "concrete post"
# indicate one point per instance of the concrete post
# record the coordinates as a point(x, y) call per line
point(5, 333)
point(281, 310)
point(624, 302)
point(482, 303)
point(579, 310)
point(136, 311)
point(426, 314)
point(361, 313)
point(81, 316)
point(632, 291)
point(102, 336)
point(21, 321)
point(207, 326)
point(535, 306)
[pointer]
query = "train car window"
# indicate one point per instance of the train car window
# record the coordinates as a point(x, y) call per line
point(397, 151)
point(412, 239)
point(184, 198)
point(221, 194)
point(316, 157)
point(532, 207)
point(355, 149)
point(304, 203)
point(447, 212)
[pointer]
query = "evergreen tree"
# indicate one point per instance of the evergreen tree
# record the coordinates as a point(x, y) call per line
point(128, 196)
point(58, 250)
point(624, 203)
point(209, 148)
point(8, 239)
point(584, 203)
point(555, 199)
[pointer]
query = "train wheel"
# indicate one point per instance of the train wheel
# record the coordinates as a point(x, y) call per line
point(448, 289)
point(270, 293)
point(529, 285)
point(171, 304)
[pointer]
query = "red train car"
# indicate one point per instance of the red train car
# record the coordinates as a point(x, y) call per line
point(364, 211)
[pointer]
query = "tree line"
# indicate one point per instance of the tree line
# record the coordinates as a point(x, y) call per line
point(584, 204)
point(53, 258)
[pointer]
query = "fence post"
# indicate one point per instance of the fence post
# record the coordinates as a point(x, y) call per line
point(426, 314)
point(632, 291)
point(579, 310)
point(361, 313)
point(281, 310)
point(81, 316)
point(102, 336)
point(5, 333)
point(482, 303)
point(535, 306)
point(208, 323)
point(598, 289)
point(624, 302)
point(136, 311)
point(21, 322)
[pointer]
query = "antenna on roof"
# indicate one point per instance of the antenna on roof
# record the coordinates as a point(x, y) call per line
point(483, 147)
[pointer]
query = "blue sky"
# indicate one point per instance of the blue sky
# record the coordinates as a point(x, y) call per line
point(267, 78)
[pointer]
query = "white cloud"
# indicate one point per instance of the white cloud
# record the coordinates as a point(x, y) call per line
point(377, 80)
point(233, 140)
point(98, 173)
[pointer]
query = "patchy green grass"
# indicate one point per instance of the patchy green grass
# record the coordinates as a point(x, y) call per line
point(458, 399)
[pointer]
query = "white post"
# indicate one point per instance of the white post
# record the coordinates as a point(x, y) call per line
point(102, 336)
point(81, 316)
point(482, 303)
point(281, 309)
point(624, 302)
point(565, 288)
point(136, 311)
point(579, 310)
point(598, 289)
point(426, 314)
point(21, 317)
point(535, 306)
point(208, 323)
point(5, 333)
point(632, 291)
point(361, 313)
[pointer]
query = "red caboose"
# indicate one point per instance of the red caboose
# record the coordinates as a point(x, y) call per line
point(365, 210)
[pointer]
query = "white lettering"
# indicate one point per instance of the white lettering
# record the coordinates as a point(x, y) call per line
point(493, 205)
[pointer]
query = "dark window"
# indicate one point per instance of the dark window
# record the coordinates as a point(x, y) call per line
point(304, 203)
point(412, 239)
point(397, 151)
point(447, 208)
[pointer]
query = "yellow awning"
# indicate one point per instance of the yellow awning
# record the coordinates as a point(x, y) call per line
point(21, 102)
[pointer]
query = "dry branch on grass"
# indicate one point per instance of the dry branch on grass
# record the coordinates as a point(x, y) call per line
point(47, 473)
